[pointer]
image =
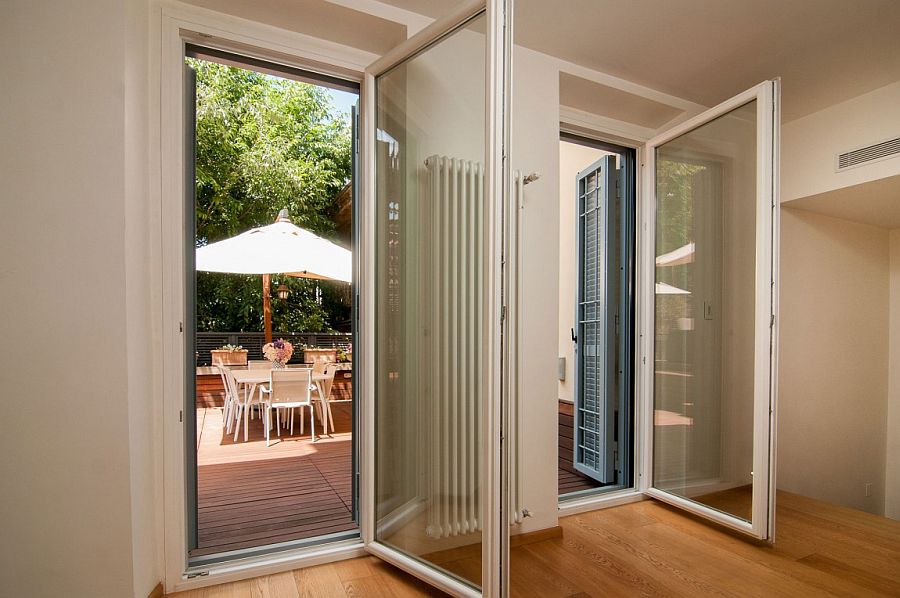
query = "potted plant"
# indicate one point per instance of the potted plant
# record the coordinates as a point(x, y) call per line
point(345, 355)
point(316, 355)
point(229, 355)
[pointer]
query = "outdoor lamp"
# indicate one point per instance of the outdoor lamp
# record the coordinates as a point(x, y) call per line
point(282, 292)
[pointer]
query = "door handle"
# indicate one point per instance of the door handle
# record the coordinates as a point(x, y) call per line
point(574, 338)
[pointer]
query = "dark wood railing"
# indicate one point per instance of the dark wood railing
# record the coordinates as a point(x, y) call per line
point(253, 342)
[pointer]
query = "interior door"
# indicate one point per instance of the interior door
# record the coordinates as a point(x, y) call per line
point(434, 131)
point(711, 299)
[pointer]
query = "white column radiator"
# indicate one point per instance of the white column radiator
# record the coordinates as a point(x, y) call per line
point(454, 213)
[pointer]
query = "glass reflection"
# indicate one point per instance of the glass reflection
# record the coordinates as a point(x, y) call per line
point(705, 286)
point(429, 302)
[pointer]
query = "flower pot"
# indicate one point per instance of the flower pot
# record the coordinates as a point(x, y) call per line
point(319, 355)
point(220, 357)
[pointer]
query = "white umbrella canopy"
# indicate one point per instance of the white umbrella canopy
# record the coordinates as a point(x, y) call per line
point(664, 288)
point(677, 257)
point(279, 248)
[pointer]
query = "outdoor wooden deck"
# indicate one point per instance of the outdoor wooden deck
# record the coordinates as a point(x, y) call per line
point(569, 479)
point(252, 495)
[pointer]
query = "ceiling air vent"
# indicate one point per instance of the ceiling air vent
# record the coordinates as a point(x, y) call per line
point(870, 153)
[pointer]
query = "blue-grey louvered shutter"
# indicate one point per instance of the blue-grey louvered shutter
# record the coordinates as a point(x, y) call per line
point(595, 317)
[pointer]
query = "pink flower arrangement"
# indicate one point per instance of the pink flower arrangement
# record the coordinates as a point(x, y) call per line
point(278, 352)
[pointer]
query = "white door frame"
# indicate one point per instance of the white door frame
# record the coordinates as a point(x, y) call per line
point(174, 25)
point(636, 140)
point(767, 96)
point(494, 535)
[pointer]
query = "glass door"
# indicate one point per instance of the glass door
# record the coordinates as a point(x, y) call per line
point(434, 126)
point(711, 299)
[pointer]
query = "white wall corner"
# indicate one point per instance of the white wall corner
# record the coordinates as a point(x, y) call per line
point(892, 449)
point(810, 144)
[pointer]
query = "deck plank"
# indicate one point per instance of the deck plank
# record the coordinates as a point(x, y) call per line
point(569, 480)
point(251, 495)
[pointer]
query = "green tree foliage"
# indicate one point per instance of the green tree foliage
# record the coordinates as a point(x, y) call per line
point(264, 144)
point(675, 180)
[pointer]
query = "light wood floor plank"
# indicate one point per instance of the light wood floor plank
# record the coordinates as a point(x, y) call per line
point(644, 549)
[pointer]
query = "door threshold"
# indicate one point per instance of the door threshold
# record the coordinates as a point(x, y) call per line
point(595, 502)
point(238, 568)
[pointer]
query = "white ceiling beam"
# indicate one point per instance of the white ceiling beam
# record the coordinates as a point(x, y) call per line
point(627, 86)
point(414, 21)
point(604, 124)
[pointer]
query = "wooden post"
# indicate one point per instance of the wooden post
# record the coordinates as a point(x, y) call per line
point(267, 305)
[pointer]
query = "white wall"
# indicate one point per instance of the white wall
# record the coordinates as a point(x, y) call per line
point(145, 408)
point(892, 444)
point(77, 466)
point(535, 148)
point(833, 369)
point(810, 144)
point(573, 158)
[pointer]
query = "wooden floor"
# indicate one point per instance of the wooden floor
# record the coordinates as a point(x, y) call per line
point(356, 578)
point(252, 495)
point(569, 480)
point(650, 549)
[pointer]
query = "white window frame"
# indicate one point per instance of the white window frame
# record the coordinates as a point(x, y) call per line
point(495, 534)
point(638, 136)
point(767, 96)
point(174, 25)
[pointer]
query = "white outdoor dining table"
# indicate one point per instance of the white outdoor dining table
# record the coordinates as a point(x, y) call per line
point(252, 378)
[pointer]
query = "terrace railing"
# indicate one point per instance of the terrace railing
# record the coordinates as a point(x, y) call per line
point(253, 342)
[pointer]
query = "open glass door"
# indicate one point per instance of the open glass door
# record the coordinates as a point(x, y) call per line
point(431, 320)
point(711, 304)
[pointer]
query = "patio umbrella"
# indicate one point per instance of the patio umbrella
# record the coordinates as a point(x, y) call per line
point(677, 257)
point(663, 288)
point(279, 248)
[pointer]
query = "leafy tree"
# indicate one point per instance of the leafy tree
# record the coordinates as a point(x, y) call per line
point(263, 144)
point(675, 180)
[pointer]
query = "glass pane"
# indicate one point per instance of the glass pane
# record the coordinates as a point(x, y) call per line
point(430, 140)
point(705, 301)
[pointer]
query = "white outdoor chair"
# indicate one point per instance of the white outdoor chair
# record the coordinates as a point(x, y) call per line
point(288, 389)
point(258, 364)
point(327, 384)
point(240, 406)
point(227, 403)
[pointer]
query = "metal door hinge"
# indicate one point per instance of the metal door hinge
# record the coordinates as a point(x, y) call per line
point(180, 416)
point(180, 326)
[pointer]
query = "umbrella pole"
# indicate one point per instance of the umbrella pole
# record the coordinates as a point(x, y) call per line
point(267, 305)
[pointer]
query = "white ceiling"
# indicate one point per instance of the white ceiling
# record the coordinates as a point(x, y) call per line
point(826, 51)
point(317, 18)
point(590, 96)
